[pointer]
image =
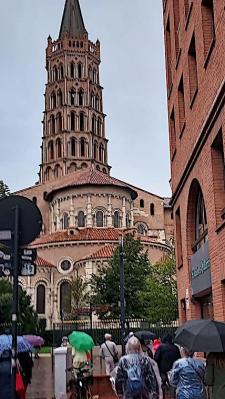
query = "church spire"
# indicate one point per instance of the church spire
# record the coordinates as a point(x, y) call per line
point(72, 21)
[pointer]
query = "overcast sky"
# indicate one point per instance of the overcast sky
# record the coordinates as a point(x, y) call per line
point(132, 74)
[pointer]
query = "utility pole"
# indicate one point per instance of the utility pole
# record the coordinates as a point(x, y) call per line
point(122, 293)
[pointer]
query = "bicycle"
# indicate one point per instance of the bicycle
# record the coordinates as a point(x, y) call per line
point(79, 385)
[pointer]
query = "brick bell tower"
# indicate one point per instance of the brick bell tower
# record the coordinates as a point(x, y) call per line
point(74, 122)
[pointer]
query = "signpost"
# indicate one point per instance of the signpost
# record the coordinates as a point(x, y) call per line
point(122, 294)
point(20, 224)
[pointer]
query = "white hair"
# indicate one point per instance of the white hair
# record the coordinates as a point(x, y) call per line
point(133, 345)
point(108, 336)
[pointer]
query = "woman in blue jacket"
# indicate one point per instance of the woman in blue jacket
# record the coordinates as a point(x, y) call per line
point(187, 376)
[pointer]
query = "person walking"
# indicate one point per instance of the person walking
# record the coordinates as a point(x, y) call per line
point(26, 364)
point(5, 375)
point(135, 377)
point(166, 354)
point(109, 353)
point(215, 374)
point(187, 376)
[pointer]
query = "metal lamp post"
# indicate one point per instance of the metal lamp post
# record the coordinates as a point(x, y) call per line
point(122, 293)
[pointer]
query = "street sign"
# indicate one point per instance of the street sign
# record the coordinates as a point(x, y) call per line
point(5, 235)
point(27, 269)
point(28, 254)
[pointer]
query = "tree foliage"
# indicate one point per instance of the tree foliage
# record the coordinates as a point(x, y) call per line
point(80, 294)
point(4, 189)
point(105, 284)
point(160, 296)
point(27, 316)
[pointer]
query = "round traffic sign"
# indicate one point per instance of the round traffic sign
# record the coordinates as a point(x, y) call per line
point(30, 218)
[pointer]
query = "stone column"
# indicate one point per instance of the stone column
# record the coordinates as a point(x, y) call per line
point(109, 217)
point(58, 223)
point(72, 216)
point(132, 214)
point(124, 212)
point(89, 212)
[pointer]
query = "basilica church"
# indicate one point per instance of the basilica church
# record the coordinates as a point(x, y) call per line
point(85, 210)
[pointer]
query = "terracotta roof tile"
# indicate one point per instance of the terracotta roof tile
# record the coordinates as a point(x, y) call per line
point(104, 252)
point(85, 177)
point(42, 262)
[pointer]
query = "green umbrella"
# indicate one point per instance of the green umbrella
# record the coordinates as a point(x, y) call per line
point(81, 341)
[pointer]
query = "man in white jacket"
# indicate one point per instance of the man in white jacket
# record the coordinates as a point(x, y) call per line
point(109, 352)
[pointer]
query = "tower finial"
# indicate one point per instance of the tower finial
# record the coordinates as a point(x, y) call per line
point(72, 21)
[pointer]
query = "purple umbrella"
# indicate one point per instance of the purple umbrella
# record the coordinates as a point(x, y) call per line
point(34, 340)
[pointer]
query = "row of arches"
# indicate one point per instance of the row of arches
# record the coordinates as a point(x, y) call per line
point(77, 122)
point(51, 173)
point(64, 297)
point(99, 219)
point(74, 70)
point(75, 148)
point(77, 98)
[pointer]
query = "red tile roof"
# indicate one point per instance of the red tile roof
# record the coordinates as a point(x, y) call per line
point(42, 262)
point(104, 252)
point(85, 177)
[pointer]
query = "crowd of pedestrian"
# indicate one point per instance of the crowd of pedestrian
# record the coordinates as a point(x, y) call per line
point(151, 370)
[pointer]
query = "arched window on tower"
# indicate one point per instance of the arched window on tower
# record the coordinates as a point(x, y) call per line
point(92, 99)
point(99, 219)
point(40, 299)
point(101, 153)
point(57, 171)
point(95, 150)
point(53, 101)
point(81, 219)
point(81, 121)
point(201, 229)
point(97, 103)
point(59, 122)
point(50, 150)
point(48, 173)
point(72, 97)
point(93, 124)
point(81, 97)
point(82, 147)
point(128, 220)
point(99, 127)
point(152, 209)
point(116, 219)
point(61, 71)
point(58, 148)
point(94, 76)
point(72, 70)
point(141, 229)
point(73, 121)
point(79, 70)
point(52, 124)
point(65, 297)
point(90, 74)
point(73, 146)
point(55, 73)
point(60, 98)
point(65, 221)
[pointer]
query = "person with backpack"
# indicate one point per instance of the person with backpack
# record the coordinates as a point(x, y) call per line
point(135, 377)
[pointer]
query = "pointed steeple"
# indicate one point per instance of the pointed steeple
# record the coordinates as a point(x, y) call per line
point(72, 21)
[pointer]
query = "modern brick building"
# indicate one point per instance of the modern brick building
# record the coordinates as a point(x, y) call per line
point(84, 209)
point(195, 64)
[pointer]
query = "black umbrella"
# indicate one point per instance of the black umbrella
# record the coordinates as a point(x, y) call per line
point(202, 336)
point(145, 335)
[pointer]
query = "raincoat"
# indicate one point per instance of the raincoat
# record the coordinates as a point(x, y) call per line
point(5, 375)
point(150, 389)
point(187, 376)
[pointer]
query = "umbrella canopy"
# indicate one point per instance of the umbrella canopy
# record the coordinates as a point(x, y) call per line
point(81, 341)
point(145, 335)
point(6, 344)
point(34, 340)
point(202, 335)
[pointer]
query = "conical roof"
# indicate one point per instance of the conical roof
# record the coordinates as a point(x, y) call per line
point(72, 20)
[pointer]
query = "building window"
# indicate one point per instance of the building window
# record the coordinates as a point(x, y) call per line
point(40, 302)
point(58, 148)
point(60, 98)
point(82, 147)
point(172, 132)
point(59, 122)
point(72, 97)
point(55, 73)
point(57, 171)
point(217, 155)
point(168, 55)
point(72, 70)
point(152, 209)
point(128, 221)
point(200, 221)
point(81, 97)
point(52, 124)
point(81, 122)
point(53, 101)
point(176, 13)
point(65, 297)
point(93, 122)
point(178, 237)
point(73, 121)
point(94, 76)
point(207, 24)
point(73, 147)
point(65, 221)
point(181, 104)
point(101, 153)
point(51, 150)
point(79, 70)
point(192, 66)
point(65, 265)
point(99, 127)
point(142, 203)
point(116, 219)
point(95, 150)
point(99, 219)
point(141, 229)
point(61, 71)
point(81, 219)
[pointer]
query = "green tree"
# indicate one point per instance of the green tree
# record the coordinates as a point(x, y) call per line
point(160, 296)
point(4, 189)
point(105, 284)
point(80, 294)
point(27, 316)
